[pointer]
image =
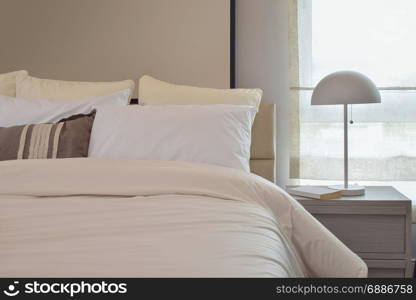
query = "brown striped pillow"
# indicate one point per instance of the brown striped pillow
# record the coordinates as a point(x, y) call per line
point(67, 138)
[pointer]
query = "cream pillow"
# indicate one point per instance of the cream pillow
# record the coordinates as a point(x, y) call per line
point(157, 92)
point(37, 88)
point(8, 83)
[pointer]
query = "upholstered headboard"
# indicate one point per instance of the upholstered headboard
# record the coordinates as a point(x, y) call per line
point(263, 146)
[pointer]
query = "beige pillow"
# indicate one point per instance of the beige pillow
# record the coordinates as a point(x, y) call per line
point(157, 92)
point(37, 88)
point(8, 83)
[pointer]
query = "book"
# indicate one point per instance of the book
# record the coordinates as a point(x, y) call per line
point(315, 192)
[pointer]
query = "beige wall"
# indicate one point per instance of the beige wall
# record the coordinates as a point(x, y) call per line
point(263, 61)
point(184, 41)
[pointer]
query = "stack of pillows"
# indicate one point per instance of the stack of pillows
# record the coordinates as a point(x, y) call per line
point(43, 119)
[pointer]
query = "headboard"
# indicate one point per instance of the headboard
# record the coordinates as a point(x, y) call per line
point(182, 41)
point(263, 146)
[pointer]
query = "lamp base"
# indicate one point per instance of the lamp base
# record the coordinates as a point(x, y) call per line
point(352, 190)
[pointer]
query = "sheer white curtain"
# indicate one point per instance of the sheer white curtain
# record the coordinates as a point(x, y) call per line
point(376, 38)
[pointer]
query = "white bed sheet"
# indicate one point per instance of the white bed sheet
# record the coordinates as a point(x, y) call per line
point(121, 218)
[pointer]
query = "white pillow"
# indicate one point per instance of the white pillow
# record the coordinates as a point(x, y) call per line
point(18, 111)
point(212, 134)
point(38, 88)
point(157, 92)
point(8, 82)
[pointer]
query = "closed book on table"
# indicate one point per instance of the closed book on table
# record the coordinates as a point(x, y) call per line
point(315, 192)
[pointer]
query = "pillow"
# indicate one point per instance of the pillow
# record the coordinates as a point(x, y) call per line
point(67, 138)
point(156, 92)
point(8, 83)
point(212, 134)
point(32, 87)
point(18, 111)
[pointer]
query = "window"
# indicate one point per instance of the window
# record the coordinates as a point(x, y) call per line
point(376, 38)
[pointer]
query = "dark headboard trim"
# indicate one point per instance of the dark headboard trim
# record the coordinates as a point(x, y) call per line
point(233, 45)
point(134, 101)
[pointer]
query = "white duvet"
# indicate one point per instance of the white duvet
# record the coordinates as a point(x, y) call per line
point(124, 218)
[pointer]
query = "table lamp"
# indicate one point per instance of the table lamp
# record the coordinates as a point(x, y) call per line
point(346, 87)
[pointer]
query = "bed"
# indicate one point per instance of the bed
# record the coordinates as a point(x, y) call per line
point(95, 217)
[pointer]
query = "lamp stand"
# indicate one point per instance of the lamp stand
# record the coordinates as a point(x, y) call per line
point(346, 189)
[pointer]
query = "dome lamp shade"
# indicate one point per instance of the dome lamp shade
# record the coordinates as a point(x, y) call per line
point(345, 87)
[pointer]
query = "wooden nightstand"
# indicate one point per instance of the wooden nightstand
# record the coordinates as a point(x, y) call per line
point(376, 226)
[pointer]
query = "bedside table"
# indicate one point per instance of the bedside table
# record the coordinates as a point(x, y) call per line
point(376, 226)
